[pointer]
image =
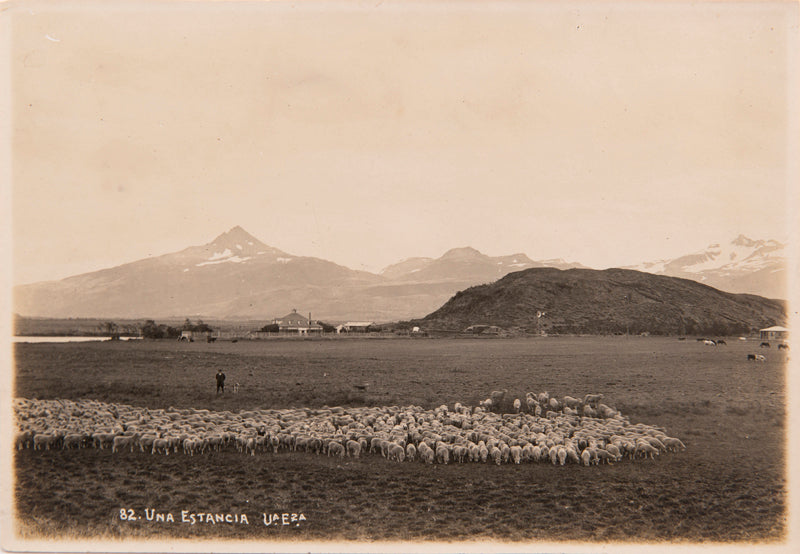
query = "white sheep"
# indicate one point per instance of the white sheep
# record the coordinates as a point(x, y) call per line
point(426, 454)
point(442, 453)
point(592, 398)
point(484, 453)
point(43, 441)
point(146, 442)
point(71, 440)
point(496, 455)
point(336, 449)
point(570, 402)
point(543, 397)
point(353, 448)
point(24, 439)
point(674, 444)
point(160, 445)
point(123, 441)
point(396, 453)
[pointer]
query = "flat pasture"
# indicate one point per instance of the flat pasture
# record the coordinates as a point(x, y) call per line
point(728, 485)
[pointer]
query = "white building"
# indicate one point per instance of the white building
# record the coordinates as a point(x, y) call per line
point(775, 332)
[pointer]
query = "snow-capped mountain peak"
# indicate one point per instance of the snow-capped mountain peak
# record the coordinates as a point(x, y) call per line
point(741, 253)
point(741, 265)
point(236, 246)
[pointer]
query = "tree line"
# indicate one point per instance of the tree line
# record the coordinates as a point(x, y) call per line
point(152, 330)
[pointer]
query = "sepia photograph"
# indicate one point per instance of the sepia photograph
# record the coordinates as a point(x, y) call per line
point(393, 276)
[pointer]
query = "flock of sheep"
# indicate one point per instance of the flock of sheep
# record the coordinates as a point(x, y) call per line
point(540, 429)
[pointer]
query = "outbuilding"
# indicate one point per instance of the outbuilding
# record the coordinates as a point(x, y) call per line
point(357, 326)
point(191, 336)
point(774, 333)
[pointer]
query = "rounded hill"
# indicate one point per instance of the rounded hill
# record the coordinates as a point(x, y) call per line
point(549, 300)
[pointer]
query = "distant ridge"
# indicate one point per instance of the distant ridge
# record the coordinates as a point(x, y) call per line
point(233, 275)
point(604, 302)
point(238, 276)
point(465, 264)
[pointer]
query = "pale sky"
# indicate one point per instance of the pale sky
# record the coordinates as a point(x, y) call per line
point(365, 133)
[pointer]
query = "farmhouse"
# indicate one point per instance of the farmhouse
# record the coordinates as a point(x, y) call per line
point(296, 323)
point(774, 333)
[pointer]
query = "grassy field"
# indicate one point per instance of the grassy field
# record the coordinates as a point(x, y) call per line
point(728, 485)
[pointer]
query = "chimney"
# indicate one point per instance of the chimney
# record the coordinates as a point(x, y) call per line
point(309, 319)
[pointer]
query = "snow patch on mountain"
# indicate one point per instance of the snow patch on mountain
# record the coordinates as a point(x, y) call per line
point(231, 259)
point(221, 255)
point(653, 267)
point(740, 255)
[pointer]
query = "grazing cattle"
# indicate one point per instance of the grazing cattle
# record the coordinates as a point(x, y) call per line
point(709, 342)
point(783, 347)
point(721, 342)
point(751, 357)
point(764, 345)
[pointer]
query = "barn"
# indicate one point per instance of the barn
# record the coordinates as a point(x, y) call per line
point(774, 333)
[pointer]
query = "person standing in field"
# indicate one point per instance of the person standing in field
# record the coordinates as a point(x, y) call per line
point(220, 382)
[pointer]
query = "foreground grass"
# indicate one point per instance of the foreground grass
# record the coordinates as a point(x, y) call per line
point(722, 488)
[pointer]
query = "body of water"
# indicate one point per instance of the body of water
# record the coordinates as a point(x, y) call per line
point(66, 339)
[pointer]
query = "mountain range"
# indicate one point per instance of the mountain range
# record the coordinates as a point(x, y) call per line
point(741, 266)
point(238, 276)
